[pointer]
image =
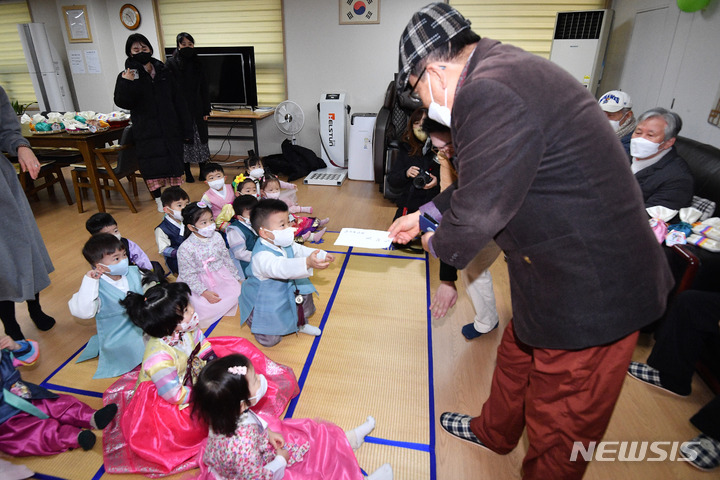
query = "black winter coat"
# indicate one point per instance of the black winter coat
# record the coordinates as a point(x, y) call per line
point(413, 197)
point(159, 116)
point(193, 87)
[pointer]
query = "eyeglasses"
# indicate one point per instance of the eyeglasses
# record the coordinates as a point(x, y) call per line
point(443, 147)
point(412, 93)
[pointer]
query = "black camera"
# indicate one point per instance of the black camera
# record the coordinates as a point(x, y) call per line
point(422, 179)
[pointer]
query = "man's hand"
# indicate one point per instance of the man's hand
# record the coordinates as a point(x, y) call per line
point(445, 297)
point(211, 297)
point(405, 228)
point(28, 161)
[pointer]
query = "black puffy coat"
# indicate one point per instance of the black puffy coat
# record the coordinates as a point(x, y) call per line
point(193, 87)
point(160, 119)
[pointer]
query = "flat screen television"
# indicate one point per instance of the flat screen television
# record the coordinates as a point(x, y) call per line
point(230, 72)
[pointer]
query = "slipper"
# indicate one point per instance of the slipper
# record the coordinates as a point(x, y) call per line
point(458, 425)
point(647, 374)
point(706, 451)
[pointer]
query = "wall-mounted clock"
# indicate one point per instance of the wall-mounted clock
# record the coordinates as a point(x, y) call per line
point(129, 16)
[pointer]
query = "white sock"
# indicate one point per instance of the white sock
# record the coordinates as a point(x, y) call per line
point(356, 436)
point(383, 473)
point(159, 205)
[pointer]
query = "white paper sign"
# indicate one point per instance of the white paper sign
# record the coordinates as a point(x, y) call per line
point(77, 64)
point(361, 238)
point(93, 61)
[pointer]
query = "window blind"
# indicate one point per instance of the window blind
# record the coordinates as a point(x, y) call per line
point(527, 24)
point(221, 23)
point(14, 74)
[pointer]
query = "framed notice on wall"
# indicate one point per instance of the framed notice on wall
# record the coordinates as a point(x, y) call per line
point(77, 24)
point(359, 12)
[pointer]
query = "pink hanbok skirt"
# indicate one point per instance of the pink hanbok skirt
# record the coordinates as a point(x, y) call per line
point(227, 287)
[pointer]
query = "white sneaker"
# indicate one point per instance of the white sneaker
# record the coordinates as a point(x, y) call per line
point(308, 329)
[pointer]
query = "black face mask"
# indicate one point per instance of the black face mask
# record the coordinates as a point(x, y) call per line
point(142, 57)
point(187, 52)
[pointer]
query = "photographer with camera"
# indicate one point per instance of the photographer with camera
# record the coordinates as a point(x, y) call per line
point(415, 170)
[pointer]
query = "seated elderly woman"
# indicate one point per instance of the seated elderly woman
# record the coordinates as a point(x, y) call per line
point(664, 177)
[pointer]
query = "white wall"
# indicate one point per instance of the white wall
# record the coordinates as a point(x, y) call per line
point(323, 56)
point(679, 70)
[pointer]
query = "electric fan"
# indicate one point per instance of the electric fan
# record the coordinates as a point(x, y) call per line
point(289, 118)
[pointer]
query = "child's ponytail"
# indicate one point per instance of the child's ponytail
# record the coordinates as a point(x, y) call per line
point(158, 311)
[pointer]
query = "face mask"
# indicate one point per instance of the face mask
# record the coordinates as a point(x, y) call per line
point(206, 232)
point(420, 134)
point(257, 173)
point(283, 238)
point(642, 148)
point(190, 325)
point(142, 57)
point(187, 52)
point(217, 184)
point(120, 268)
point(437, 112)
point(118, 236)
point(261, 391)
point(615, 124)
point(272, 195)
point(177, 215)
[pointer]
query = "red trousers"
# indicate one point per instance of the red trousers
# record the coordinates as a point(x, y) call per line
point(560, 396)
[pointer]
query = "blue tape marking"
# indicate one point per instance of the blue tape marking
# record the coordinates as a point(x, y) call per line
point(396, 443)
point(384, 255)
point(42, 476)
point(316, 342)
point(99, 473)
point(212, 327)
point(431, 386)
point(64, 363)
point(62, 388)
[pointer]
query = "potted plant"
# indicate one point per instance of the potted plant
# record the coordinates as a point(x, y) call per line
point(20, 108)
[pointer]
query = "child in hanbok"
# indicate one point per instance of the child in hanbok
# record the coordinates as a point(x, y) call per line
point(35, 421)
point(204, 263)
point(240, 235)
point(307, 228)
point(243, 444)
point(220, 193)
point(255, 169)
point(155, 434)
point(118, 344)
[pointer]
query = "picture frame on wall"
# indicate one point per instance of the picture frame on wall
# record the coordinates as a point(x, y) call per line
point(359, 12)
point(77, 24)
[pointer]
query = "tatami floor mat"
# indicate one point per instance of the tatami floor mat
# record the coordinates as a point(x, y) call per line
point(407, 464)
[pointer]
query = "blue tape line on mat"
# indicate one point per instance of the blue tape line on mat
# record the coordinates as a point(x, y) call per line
point(99, 473)
point(62, 388)
point(64, 363)
point(431, 386)
point(396, 443)
point(316, 342)
point(385, 255)
point(212, 327)
point(42, 476)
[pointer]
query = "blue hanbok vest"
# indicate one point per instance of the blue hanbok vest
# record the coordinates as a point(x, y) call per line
point(176, 238)
point(272, 301)
point(250, 240)
point(119, 342)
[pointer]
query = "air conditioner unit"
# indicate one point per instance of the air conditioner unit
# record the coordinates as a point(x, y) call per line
point(579, 44)
point(332, 121)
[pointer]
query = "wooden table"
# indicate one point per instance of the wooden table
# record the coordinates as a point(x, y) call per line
point(243, 118)
point(85, 144)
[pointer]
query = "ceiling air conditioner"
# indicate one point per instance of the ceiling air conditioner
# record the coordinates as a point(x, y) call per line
point(579, 44)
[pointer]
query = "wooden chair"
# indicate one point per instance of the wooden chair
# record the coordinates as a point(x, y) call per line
point(124, 165)
point(50, 174)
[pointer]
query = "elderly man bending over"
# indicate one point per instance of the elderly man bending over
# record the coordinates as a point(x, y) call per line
point(663, 175)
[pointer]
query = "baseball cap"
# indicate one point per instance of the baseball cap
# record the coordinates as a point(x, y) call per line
point(614, 101)
point(429, 28)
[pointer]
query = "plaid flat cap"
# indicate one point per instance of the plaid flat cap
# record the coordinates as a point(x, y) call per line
point(429, 28)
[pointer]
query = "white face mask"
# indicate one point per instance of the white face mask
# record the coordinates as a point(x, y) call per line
point(284, 237)
point(615, 124)
point(261, 391)
point(207, 232)
point(257, 173)
point(272, 195)
point(118, 236)
point(177, 215)
point(191, 324)
point(217, 184)
point(643, 148)
point(437, 112)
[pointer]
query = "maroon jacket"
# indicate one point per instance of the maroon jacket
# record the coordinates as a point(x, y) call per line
point(540, 170)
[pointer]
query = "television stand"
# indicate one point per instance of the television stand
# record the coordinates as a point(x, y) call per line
point(241, 118)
